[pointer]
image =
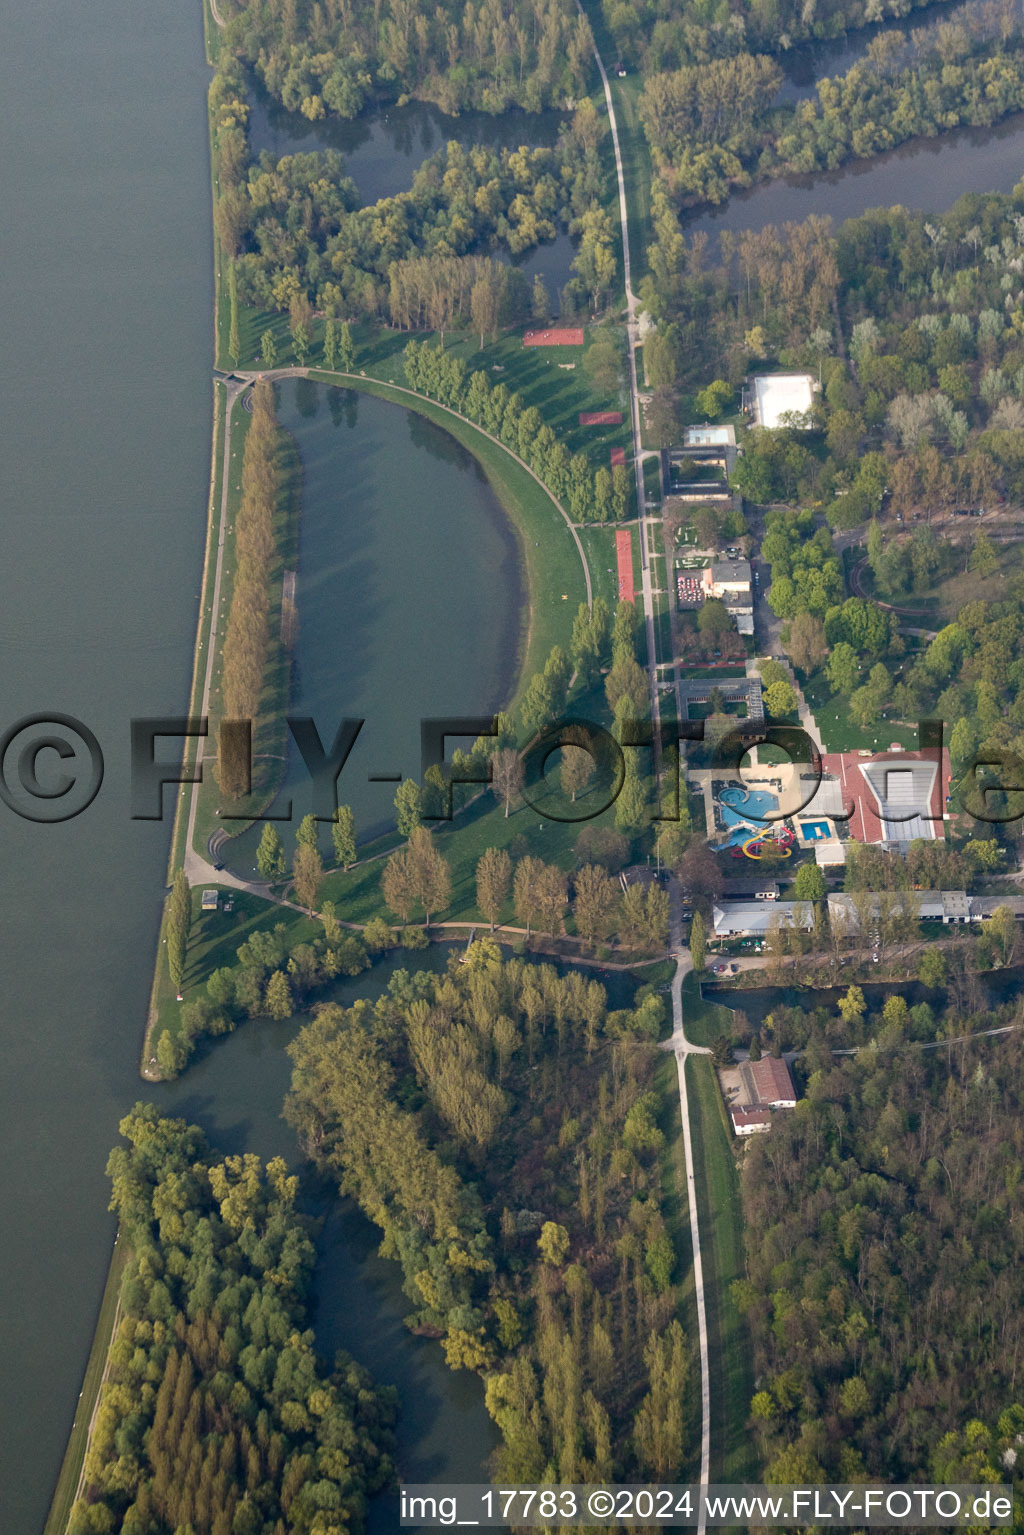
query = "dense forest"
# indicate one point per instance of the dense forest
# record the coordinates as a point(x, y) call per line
point(664, 34)
point(713, 126)
point(332, 56)
point(216, 1416)
point(883, 1228)
point(498, 1123)
point(295, 234)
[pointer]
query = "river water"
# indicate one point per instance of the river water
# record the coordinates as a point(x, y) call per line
point(105, 321)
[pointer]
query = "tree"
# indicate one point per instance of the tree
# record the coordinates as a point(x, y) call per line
point(779, 699)
point(755, 1046)
point(698, 941)
point(268, 349)
point(330, 344)
point(699, 873)
point(526, 889)
point(346, 348)
point(932, 968)
point(806, 644)
point(577, 766)
point(506, 775)
point(270, 854)
point(308, 834)
point(432, 878)
point(493, 879)
point(278, 1000)
point(843, 669)
point(408, 803)
point(713, 620)
point(595, 903)
point(398, 884)
point(627, 679)
point(553, 1243)
point(809, 884)
point(485, 305)
point(343, 835)
point(300, 322)
point(713, 398)
point(852, 1006)
point(307, 875)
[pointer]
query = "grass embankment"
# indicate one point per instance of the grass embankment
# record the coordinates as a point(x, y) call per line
point(78, 1440)
point(720, 1214)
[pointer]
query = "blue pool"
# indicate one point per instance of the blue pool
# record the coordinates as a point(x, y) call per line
point(815, 831)
point(746, 810)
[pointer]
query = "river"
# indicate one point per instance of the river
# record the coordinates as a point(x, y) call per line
point(106, 324)
point(106, 306)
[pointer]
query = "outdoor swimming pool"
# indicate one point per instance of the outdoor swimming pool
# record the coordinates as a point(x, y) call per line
point(745, 810)
point(815, 831)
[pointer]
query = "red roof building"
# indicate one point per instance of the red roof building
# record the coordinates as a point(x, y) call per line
point(750, 1121)
point(767, 1084)
point(889, 797)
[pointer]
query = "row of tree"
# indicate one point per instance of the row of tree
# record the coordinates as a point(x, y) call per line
point(588, 495)
point(247, 639)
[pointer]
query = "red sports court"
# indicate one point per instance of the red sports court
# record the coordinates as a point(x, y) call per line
point(600, 418)
point(624, 555)
point(571, 335)
point(618, 457)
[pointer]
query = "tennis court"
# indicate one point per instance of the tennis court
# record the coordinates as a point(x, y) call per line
point(567, 335)
point(624, 555)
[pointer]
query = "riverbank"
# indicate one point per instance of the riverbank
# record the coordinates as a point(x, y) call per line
point(69, 1483)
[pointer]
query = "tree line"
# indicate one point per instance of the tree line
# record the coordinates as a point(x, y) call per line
point(333, 58)
point(601, 495)
point(215, 1415)
point(247, 637)
point(498, 1123)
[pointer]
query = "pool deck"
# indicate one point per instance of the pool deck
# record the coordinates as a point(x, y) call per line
point(790, 793)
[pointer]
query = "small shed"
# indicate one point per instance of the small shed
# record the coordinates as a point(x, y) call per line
point(210, 900)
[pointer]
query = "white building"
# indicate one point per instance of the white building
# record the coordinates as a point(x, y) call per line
point(756, 919)
point(750, 1121)
point(781, 399)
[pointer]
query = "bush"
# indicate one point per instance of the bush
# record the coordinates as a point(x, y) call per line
point(413, 937)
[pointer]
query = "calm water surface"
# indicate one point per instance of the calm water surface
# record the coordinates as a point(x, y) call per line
point(105, 319)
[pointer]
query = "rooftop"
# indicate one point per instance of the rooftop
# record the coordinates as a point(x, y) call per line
point(775, 395)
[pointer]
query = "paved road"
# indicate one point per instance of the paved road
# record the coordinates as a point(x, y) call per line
point(679, 1044)
point(681, 1049)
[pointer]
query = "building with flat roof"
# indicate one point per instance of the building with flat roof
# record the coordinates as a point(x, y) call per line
point(210, 900)
point(707, 436)
point(949, 907)
point(890, 797)
point(755, 919)
point(780, 399)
